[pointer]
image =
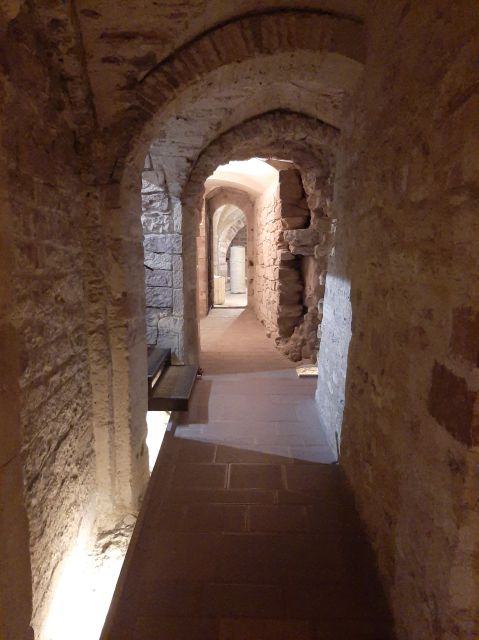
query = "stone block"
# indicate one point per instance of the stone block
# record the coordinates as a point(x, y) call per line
point(166, 243)
point(177, 215)
point(158, 278)
point(451, 403)
point(155, 200)
point(293, 210)
point(290, 186)
point(178, 305)
point(285, 256)
point(151, 335)
point(290, 311)
point(305, 237)
point(177, 267)
point(297, 222)
point(157, 260)
point(161, 297)
point(156, 224)
point(170, 324)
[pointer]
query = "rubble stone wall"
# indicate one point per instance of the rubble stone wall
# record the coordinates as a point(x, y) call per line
point(289, 266)
point(267, 233)
point(401, 315)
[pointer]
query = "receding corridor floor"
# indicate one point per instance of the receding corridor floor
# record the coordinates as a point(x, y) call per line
point(248, 531)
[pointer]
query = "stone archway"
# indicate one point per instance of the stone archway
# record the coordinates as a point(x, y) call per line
point(214, 200)
point(275, 48)
point(276, 134)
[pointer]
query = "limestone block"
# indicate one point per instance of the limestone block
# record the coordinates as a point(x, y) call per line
point(290, 311)
point(295, 223)
point(170, 325)
point(285, 256)
point(177, 215)
point(155, 202)
point(290, 186)
point(158, 278)
point(294, 210)
point(161, 297)
point(157, 260)
point(177, 268)
point(151, 335)
point(156, 223)
point(166, 243)
point(178, 302)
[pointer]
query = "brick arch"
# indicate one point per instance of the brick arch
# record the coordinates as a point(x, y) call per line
point(291, 135)
point(310, 144)
point(254, 36)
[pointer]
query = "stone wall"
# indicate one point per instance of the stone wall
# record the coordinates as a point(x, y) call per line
point(161, 220)
point(291, 261)
point(45, 379)
point(400, 328)
point(268, 233)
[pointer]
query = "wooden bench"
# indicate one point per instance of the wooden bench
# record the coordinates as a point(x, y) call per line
point(169, 386)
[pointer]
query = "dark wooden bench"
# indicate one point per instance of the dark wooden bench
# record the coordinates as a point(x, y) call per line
point(169, 386)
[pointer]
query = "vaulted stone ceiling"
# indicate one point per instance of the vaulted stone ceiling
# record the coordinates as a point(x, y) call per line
point(182, 74)
point(124, 42)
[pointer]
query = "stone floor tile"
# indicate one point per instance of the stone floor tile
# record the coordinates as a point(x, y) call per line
point(281, 518)
point(200, 475)
point(246, 543)
point(194, 451)
point(311, 477)
point(178, 556)
point(351, 629)
point(336, 600)
point(221, 496)
point(321, 454)
point(215, 517)
point(276, 455)
point(171, 599)
point(255, 476)
point(243, 600)
point(169, 628)
point(266, 630)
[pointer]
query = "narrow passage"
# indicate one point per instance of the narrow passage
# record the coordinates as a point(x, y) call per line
point(248, 531)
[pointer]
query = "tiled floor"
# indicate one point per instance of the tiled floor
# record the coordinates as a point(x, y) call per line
point(248, 530)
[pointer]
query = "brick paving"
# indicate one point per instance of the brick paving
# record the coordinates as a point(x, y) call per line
point(248, 531)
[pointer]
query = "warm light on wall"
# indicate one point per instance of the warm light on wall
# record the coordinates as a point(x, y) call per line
point(86, 578)
point(82, 593)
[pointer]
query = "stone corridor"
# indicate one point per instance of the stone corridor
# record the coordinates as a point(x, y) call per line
point(248, 531)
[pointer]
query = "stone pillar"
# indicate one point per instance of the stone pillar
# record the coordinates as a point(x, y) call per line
point(237, 270)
